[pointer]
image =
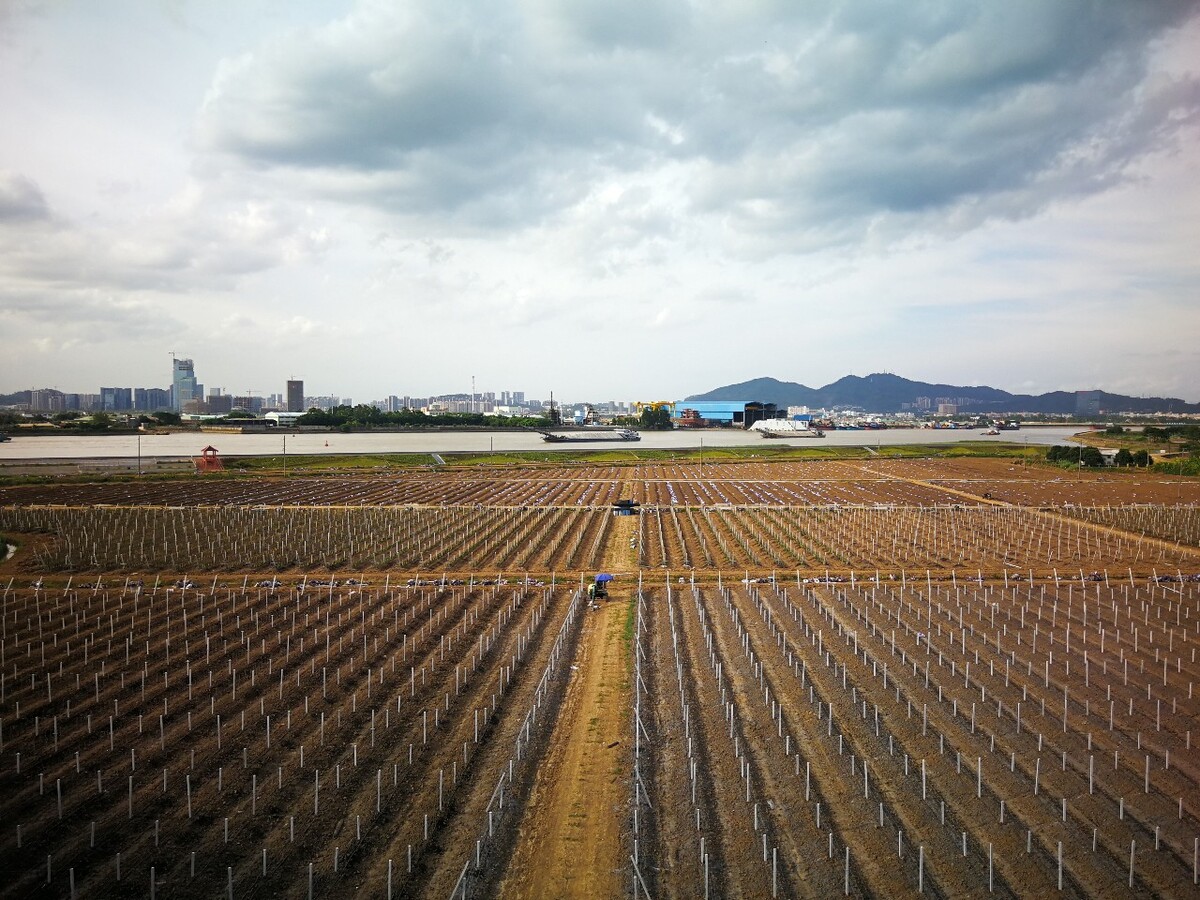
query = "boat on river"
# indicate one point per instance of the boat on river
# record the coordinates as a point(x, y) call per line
point(590, 435)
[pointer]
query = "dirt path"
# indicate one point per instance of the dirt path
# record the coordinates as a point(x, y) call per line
point(571, 840)
point(620, 552)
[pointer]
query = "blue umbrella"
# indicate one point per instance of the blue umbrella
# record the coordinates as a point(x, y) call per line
point(604, 576)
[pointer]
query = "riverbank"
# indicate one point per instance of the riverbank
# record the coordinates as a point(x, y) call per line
point(186, 445)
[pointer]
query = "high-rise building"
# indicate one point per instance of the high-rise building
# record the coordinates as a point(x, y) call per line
point(326, 403)
point(151, 399)
point(46, 400)
point(219, 404)
point(391, 404)
point(114, 399)
point(184, 388)
point(295, 396)
point(249, 403)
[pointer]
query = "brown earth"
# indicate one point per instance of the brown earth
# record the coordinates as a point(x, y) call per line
point(571, 839)
point(358, 726)
point(760, 699)
point(912, 482)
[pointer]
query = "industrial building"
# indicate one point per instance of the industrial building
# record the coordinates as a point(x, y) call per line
point(728, 413)
point(283, 419)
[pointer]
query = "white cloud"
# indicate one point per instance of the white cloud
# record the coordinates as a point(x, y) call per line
point(805, 127)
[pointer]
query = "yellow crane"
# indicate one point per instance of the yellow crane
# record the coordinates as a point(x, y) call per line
point(655, 404)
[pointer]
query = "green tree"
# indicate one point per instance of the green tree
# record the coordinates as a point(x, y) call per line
point(1141, 458)
point(1091, 457)
point(1123, 457)
point(316, 417)
point(655, 419)
point(410, 417)
point(366, 415)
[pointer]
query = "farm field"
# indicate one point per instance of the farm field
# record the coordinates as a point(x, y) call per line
point(883, 739)
point(810, 483)
point(876, 677)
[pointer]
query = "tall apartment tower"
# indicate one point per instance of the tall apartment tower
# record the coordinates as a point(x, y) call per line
point(184, 388)
point(295, 396)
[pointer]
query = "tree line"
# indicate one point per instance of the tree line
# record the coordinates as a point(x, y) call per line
point(1091, 457)
point(364, 415)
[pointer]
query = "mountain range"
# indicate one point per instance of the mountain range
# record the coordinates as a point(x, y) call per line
point(883, 392)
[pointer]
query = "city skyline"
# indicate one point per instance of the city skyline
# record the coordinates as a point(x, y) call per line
point(620, 198)
point(186, 393)
point(284, 394)
point(903, 393)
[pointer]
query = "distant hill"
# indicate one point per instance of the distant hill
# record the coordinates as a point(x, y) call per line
point(886, 393)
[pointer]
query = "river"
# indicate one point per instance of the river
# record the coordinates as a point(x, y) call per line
point(34, 448)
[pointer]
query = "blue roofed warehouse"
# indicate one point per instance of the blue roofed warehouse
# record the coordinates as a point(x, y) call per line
point(729, 413)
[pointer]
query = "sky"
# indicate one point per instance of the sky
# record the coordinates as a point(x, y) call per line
point(608, 199)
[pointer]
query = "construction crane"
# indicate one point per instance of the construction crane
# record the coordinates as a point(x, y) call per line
point(248, 397)
point(655, 413)
point(655, 404)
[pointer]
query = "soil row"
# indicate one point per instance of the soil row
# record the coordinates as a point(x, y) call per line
point(326, 722)
point(914, 482)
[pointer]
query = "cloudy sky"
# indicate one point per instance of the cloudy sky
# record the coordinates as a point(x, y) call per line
point(611, 199)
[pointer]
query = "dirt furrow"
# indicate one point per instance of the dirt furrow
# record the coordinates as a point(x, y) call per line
point(732, 845)
point(808, 856)
point(1032, 818)
point(859, 824)
point(679, 779)
point(571, 837)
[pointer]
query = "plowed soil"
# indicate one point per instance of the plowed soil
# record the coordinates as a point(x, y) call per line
point(877, 678)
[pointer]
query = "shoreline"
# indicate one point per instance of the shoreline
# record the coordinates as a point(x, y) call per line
point(179, 448)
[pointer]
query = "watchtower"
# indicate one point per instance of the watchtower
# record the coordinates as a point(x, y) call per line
point(208, 461)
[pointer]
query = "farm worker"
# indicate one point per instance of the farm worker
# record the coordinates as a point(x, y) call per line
point(592, 591)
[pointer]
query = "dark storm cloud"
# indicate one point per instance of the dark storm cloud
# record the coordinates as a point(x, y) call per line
point(21, 201)
point(790, 117)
